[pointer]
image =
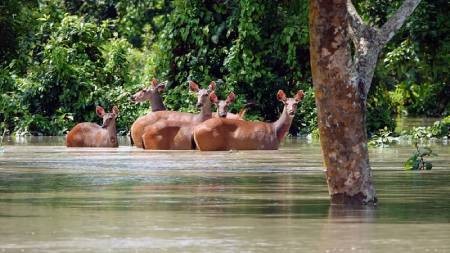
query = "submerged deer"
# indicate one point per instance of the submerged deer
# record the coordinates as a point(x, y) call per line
point(152, 93)
point(176, 135)
point(222, 107)
point(88, 134)
point(139, 126)
point(228, 134)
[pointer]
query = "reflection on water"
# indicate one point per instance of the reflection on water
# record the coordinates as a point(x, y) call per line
point(56, 199)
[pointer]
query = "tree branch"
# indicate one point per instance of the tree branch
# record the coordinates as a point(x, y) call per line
point(356, 21)
point(395, 22)
point(356, 24)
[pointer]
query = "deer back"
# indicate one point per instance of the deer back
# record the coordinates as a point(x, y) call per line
point(169, 135)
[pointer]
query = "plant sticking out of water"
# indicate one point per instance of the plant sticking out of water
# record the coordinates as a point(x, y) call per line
point(440, 129)
point(382, 139)
point(417, 160)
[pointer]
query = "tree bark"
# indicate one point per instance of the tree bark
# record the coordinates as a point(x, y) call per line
point(340, 106)
point(341, 84)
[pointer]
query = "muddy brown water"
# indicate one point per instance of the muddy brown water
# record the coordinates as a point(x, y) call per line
point(58, 199)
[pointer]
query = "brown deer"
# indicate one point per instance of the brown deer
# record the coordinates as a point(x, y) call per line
point(222, 107)
point(170, 135)
point(152, 93)
point(89, 134)
point(228, 134)
point(203, 102)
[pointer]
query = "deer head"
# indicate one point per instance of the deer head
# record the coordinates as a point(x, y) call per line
point(108, 118)
point(290, 104)
point(149, 93)
point(202, 94)
point(222, 105)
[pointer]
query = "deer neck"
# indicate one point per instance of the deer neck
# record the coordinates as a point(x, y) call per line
point(157, 103)
point(205, 112)
point(112, 132)
point(282, 125)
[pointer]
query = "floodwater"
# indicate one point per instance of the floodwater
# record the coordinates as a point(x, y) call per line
point(58, 199)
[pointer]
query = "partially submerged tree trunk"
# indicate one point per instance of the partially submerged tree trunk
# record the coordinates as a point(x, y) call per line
point(341, 84)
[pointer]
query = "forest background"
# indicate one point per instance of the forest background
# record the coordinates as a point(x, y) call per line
point(59, 59)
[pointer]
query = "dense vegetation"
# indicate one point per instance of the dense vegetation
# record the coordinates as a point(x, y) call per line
point(59, 59)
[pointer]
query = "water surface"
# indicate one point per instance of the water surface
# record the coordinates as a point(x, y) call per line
point(58, 199)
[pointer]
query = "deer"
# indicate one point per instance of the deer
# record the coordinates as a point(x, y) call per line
point(222, 107)
point(89, 134)
point(152, 93)
point(169, 135)
point(176, 135)
point(203, 102)
point(221, 134)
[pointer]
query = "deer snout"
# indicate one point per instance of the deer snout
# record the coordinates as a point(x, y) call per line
point(133, 99)
point(222, 114)
point(199, 104)
point(291, 113)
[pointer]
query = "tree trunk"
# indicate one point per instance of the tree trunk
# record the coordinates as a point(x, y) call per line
point(341, 84)
point(340, 106)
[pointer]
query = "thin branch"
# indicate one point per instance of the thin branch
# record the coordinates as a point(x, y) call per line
point(356, 25)
point(355, 20)
point(394, 23)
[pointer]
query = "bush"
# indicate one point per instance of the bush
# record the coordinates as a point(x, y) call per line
point(380, 111)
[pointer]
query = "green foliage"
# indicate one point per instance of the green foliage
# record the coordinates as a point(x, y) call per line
point(417, 160)
point(306, 118)
point(418, 99)
point(80, 65)
point(255, 47)
point(58, 59)
point(439, 129)
point(382, 139)
point(415, 63)
point(380, 110)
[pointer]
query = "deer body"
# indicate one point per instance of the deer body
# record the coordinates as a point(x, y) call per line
point(227, 134)
point(88, 134)
point(169, 135)
point(144, 123)
point(229, 116)
point(172, 134)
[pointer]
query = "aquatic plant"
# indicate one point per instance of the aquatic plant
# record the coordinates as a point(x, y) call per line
point(382, 139)
point(439, 129)
point(417, 160)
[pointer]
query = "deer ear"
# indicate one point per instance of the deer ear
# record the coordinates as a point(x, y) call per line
point(100, 111)
point(154, 82)
point(281, 96)
point(213, 98)
point(231, 97)
point(212, 86)
point(299, 96)
point(115, 110)
point(193, 86)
